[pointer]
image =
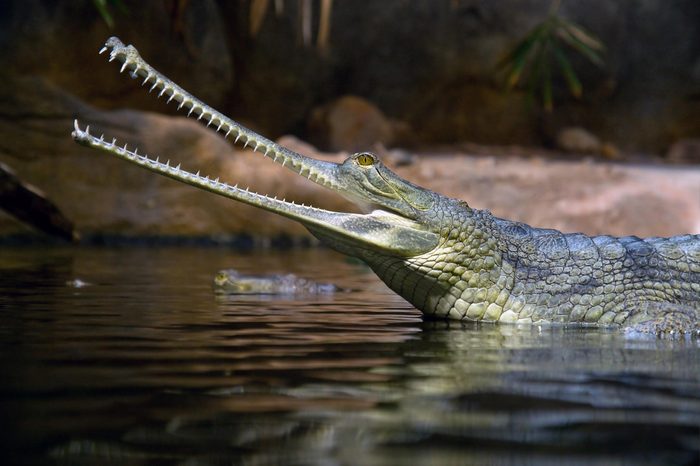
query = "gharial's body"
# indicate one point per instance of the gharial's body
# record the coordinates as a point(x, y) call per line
point(490, 269)
point(452, 261)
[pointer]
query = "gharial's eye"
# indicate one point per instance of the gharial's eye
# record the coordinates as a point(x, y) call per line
point(365, 160)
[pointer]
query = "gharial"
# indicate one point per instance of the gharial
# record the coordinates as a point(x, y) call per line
point(231, 281)
point(447, 259)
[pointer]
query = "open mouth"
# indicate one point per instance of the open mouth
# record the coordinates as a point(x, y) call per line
point(388, 232)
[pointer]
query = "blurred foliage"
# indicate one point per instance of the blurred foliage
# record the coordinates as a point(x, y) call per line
point(258, 10)
point(531, 60)
point(103, 7)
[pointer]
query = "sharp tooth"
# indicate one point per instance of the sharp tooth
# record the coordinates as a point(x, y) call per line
point(182, 104)
point(162, 91)
point(112, 56)
point(102, 138)
point(167, 163)
point(178, 167)
point(237, 138)
point(191, 110)
point(227, 133)
point(103, 50)
point(216, 181)
point(197, 173)
point(125, 149)
point(114, 141)
point(87, 130)
point(172, 96)
point(146, 80)
point(219, 127)
point(155, 84)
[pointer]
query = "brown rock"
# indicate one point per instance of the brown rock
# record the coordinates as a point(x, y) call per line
point(350, 124)
point(578, 140)
point(684, 151)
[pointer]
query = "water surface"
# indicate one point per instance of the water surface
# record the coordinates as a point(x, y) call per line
point(126, 356)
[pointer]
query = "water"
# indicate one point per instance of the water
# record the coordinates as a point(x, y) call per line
point(126, 356)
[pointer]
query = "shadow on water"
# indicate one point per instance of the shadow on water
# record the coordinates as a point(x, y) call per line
point(126, 356)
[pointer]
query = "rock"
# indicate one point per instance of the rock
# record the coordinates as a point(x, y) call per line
point(578, 140)
point(610, 151)
point(350, 124)
point(684, 151)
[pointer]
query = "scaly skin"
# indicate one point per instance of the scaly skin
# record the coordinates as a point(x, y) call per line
point(452, 261)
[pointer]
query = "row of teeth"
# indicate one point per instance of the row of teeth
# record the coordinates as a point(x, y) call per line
point(145, 160)
point(174, 94)
point(202, 110)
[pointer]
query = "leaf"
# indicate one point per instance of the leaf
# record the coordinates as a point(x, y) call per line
point(546, 67)
point(591, 54)
point(258, 8)
point(324, 25)
point(539, 70)
point(521, 50)
point(583, 36)
point(571, 79)
point(532, 59)
point(101, 6)
point(547, 89)
point(516, 59)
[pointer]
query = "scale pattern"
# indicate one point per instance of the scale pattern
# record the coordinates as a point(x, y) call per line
point(494, 270)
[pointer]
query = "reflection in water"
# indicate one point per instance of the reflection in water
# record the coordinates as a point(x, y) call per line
point(147, 364)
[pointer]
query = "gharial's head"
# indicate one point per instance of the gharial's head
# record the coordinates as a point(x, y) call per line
point(363, 178)
point(400, 224)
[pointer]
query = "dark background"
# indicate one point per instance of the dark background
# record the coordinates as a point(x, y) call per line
point(429, 64)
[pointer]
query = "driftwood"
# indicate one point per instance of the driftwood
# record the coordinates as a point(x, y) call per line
point(29, 205)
